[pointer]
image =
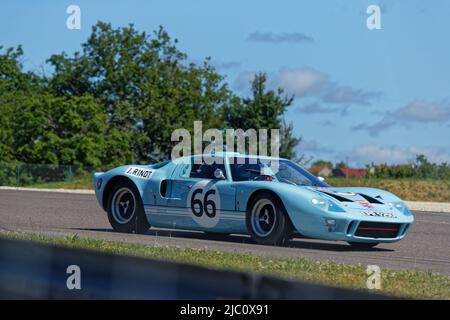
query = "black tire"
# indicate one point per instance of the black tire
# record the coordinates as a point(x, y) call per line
point(267, 220)
point(363, 245)
point(130, 218)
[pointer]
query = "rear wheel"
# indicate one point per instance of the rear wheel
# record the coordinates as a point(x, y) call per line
point(363, 245)
point(267, 221)
point(125, 210)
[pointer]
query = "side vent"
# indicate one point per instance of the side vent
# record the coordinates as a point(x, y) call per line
point(350, 227)
point(337, 197)
point(370, 199)
point(163, 188)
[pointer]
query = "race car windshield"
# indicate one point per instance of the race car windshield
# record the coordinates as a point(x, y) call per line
point(242, 169)
point(290, 172)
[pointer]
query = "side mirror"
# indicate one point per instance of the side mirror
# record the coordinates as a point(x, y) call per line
point(321, 179)
point(218, 174)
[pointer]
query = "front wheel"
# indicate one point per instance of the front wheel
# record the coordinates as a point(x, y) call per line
point(267, 221)
point(125, 210)
point(363, 245)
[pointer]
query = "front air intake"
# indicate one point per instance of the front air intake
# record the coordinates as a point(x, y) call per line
point(377, 230)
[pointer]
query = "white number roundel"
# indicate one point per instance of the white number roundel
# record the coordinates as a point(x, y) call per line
point(204, 203)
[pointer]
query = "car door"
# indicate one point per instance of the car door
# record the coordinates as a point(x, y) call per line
point(197, 199)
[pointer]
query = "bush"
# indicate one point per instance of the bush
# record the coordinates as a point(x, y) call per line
point(24, 174)
point(421, 169)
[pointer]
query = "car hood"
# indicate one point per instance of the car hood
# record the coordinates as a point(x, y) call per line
point(359, 198)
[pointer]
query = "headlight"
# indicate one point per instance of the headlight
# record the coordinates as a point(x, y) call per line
point(400, 206)
point(326, 204)
point(397, 205)
point(320, 202)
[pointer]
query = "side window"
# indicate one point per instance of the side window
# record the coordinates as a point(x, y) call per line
point(242, 170)
point(205, 171)
point(185, 170)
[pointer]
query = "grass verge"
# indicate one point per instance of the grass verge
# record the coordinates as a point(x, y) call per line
point(76, 183)
point(406, 189)
point(410, 284)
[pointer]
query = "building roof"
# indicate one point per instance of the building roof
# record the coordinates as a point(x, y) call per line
point(318, 168)
point(351, 172)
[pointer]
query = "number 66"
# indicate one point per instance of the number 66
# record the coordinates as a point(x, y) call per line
point(208, 206)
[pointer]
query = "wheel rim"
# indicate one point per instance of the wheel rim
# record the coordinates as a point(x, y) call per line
point(263, 217)
point(123, 205)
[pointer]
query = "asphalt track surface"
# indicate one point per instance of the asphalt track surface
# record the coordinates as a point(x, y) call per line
point(426, 248)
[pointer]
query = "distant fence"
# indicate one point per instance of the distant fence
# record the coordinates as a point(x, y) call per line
point(30, 270)
point(25, 174)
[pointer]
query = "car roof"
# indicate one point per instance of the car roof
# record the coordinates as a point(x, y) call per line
point(228, 154)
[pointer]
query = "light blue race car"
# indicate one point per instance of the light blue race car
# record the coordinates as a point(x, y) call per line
point(226, 193)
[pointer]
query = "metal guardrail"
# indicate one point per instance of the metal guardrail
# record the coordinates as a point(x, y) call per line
point(30, 270)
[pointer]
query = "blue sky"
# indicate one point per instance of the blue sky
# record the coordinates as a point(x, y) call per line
point(365, 95)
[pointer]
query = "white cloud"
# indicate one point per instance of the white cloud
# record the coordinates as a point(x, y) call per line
point(311, 146)
point(368, 153)
point(226, 65)
point(417, 111)
point(375, 129)
point(347, 94)
point(327, 123)
point(244, 80)
point(300, 82)
point(423, 111)
point(292, 37)
point(316, 107)
point(309, 82)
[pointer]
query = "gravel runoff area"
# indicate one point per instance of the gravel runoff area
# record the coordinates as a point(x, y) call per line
point(412, 205)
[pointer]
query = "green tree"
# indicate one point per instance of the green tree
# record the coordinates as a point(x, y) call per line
point(59, 130)
point(36, 126)
point(328, 164)
point(144, 84)
point(13, 84)
point(340, 165)
point(120, 99)
point(264, 109)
